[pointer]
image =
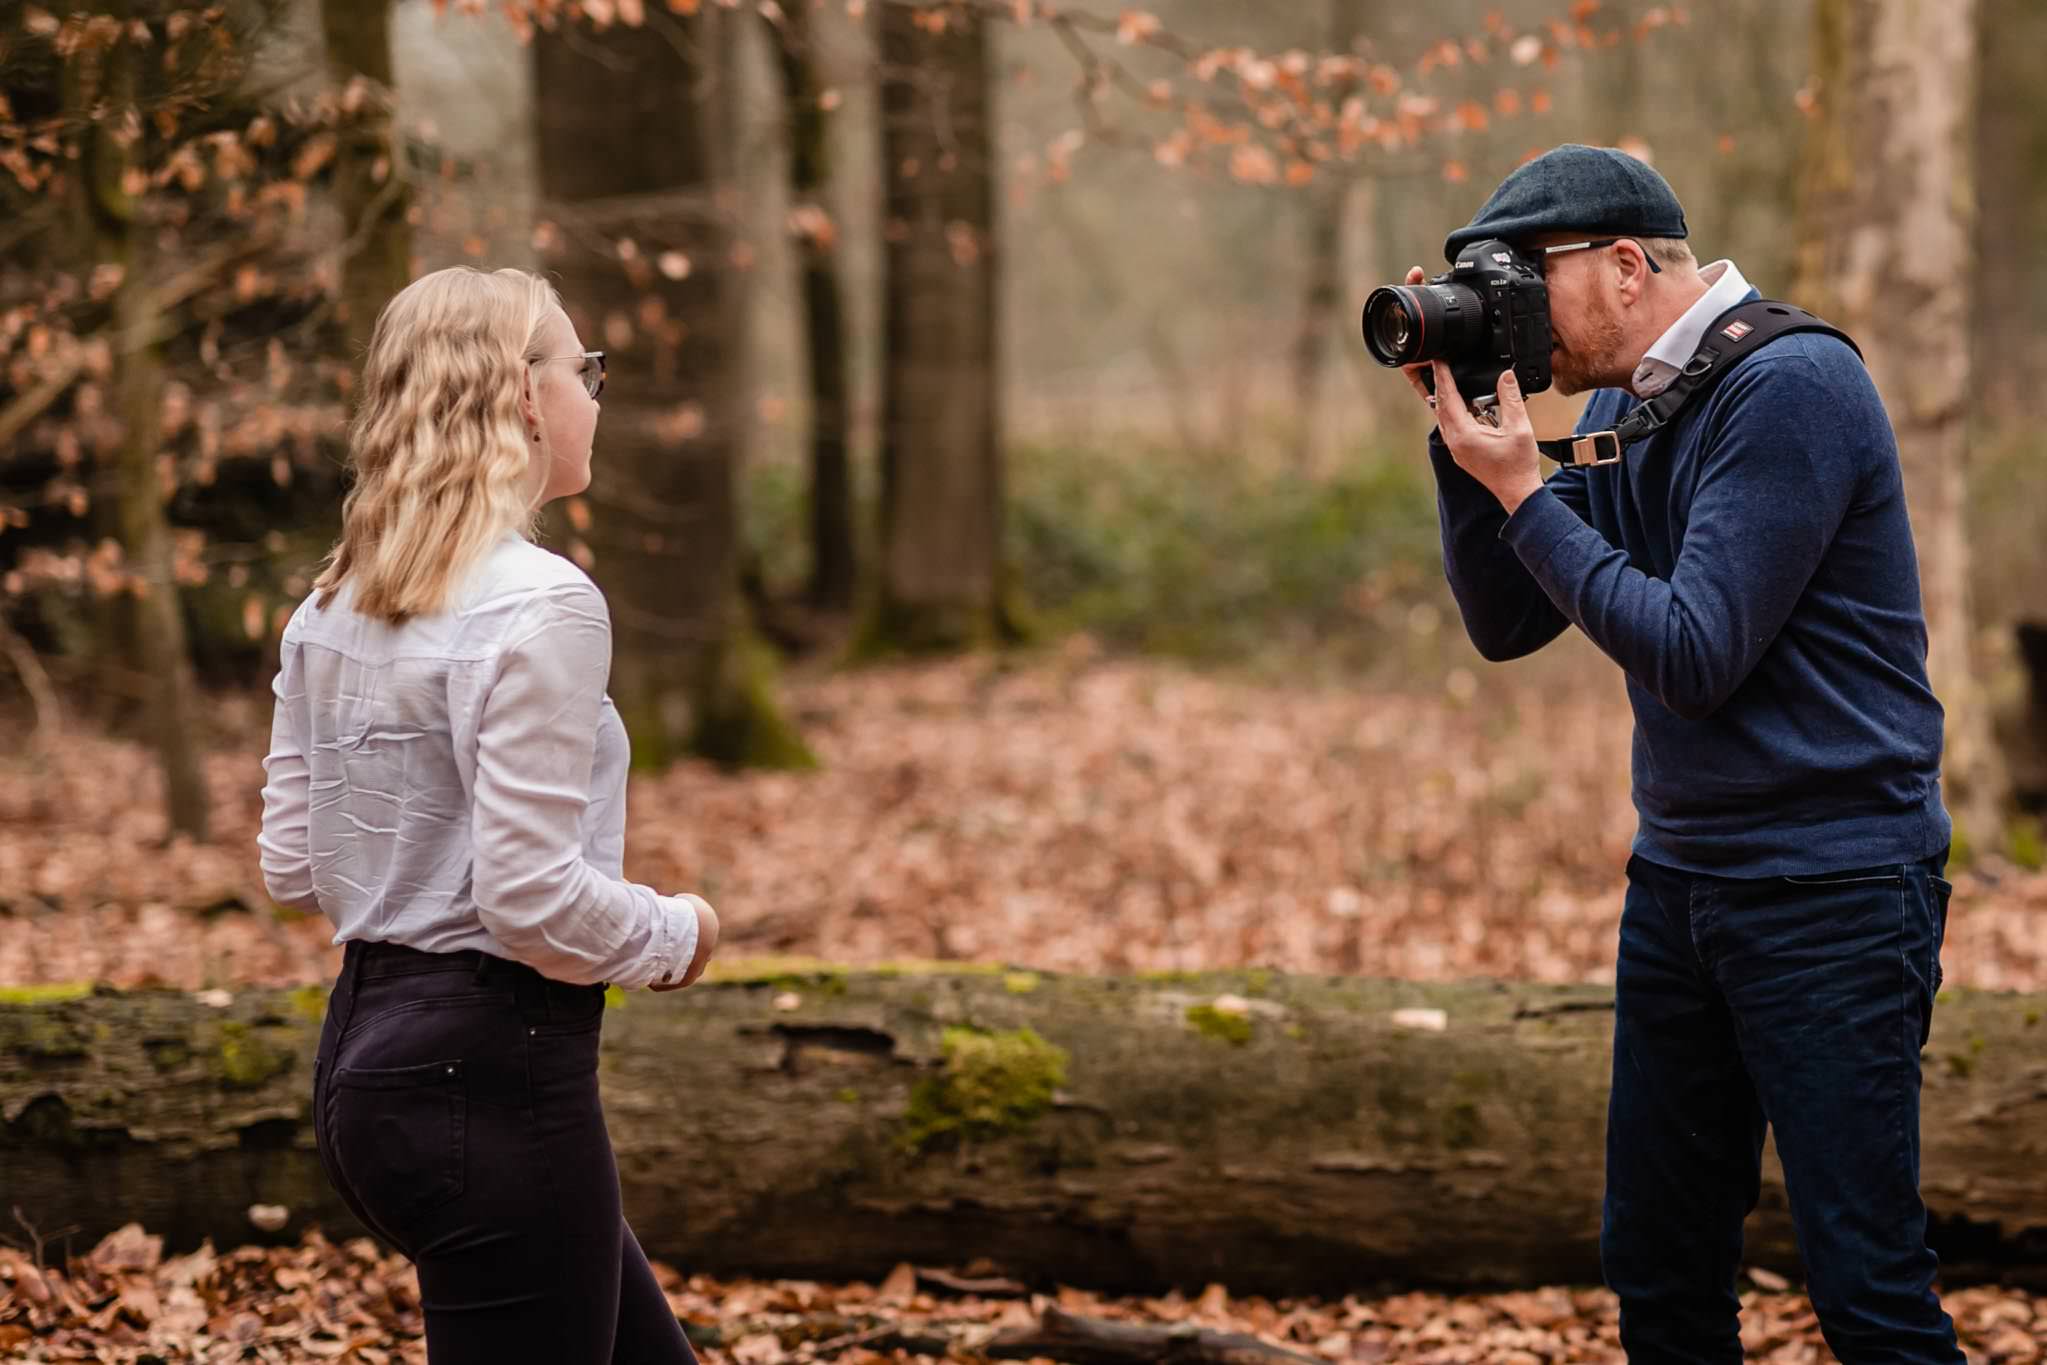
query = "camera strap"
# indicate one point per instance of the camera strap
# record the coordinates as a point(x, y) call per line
point(1744, 328)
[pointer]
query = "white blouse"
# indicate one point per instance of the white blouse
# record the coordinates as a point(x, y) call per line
point(459, 781)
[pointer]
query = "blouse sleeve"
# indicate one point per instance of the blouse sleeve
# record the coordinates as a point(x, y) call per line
point(536, 744)
point(281, 842)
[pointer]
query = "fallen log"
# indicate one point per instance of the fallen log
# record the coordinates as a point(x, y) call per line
point(1274, 1133)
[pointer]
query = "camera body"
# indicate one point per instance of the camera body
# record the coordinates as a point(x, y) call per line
point(1487, 314)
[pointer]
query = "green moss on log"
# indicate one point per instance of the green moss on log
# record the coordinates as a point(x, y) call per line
point(991, 1084)
point(797, 973)
point(247, 1060)
point(1227, 1025)
point(44, 994)
point(166, 1054)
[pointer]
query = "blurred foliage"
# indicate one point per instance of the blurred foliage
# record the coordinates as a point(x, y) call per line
point(1200, 555)
point(1207, 557)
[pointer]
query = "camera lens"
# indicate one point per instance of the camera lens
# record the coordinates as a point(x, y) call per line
point(1392, 330)
point(1407, 324)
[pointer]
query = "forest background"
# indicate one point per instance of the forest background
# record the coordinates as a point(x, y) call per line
point(1014, 556)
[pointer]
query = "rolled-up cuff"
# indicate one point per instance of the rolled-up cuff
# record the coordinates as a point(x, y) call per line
point(674, 946)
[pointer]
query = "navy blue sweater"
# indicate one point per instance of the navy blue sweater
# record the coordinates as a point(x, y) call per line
point(1751, 569)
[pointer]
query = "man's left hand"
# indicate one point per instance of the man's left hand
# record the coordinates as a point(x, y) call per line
point(1503, 458)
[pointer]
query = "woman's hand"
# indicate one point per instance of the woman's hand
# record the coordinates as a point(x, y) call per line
point(707, 943)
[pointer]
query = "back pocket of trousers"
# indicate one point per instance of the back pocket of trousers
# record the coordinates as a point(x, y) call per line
point(399, 1136)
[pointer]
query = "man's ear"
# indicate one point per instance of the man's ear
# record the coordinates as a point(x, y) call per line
point(1633, 266)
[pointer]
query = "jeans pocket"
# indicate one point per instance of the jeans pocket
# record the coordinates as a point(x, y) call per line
point(569, 1011)
point(1937, 904)
point(1860, 876)
point(400, 1134)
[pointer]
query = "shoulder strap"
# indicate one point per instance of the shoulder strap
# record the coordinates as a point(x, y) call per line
point(1732, 336)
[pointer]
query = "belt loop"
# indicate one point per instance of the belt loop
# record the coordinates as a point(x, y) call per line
point(482, 972)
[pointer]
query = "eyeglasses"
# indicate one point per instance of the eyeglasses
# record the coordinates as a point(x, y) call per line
point(1543, 253)
point(591, 371)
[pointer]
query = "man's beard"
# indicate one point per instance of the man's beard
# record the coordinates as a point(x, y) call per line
point(1591, 357)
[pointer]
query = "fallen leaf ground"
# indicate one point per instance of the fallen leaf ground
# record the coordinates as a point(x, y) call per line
point(125, 1302)
point(1067, 813)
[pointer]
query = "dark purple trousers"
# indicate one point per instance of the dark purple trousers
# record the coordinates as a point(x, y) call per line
point(456, 1111)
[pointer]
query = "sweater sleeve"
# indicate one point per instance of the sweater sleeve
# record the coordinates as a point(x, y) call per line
point(1774, 483)
point(1505, 611)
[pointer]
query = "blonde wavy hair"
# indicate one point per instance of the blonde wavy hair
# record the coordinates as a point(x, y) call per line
point(438, 446)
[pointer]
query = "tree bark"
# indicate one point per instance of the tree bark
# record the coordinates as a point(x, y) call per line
point(1885, 251)
point(2011, 150)
point(628, 174)
point(152, 623)
point(833, 568)
point(369, 175)
point(1322, 288)
point(1296, 1134)
point(941, 465)
point(2007, 291)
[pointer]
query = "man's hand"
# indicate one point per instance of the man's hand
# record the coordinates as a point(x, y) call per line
point(707, 943)
point(1503, 458)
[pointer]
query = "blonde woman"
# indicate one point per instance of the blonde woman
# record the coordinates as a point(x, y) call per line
point(446, 782)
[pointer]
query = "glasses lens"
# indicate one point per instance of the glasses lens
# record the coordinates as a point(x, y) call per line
point(593, 374)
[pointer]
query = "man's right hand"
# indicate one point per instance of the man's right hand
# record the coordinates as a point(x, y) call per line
point(707, 943)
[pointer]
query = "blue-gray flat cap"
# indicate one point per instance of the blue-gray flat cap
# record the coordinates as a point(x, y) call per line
point(1574, 188)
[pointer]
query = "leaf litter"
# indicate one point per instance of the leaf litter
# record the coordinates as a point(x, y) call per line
point(1069, 813)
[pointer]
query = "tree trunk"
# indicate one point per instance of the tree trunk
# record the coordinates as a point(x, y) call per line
point(152, 624)
point(1322, 286)
point(2008, 291)
point(833, 568)
point(628, 177)
point(2011, 150)
point(369, 175)
point(1280, 1134)
point(1885, 242)
point(941, 465)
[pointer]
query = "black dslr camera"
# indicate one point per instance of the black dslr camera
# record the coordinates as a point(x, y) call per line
point(1486, 314)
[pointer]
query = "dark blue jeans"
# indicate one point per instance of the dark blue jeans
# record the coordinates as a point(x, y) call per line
point(1803, 1003)
point(455, 1108)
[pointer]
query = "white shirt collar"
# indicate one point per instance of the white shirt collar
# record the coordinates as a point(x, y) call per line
point(1660, 365)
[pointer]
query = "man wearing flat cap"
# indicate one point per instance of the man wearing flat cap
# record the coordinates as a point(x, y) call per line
point(1751, 569)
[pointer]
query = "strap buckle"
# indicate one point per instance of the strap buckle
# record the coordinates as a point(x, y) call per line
point(1596, 448)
